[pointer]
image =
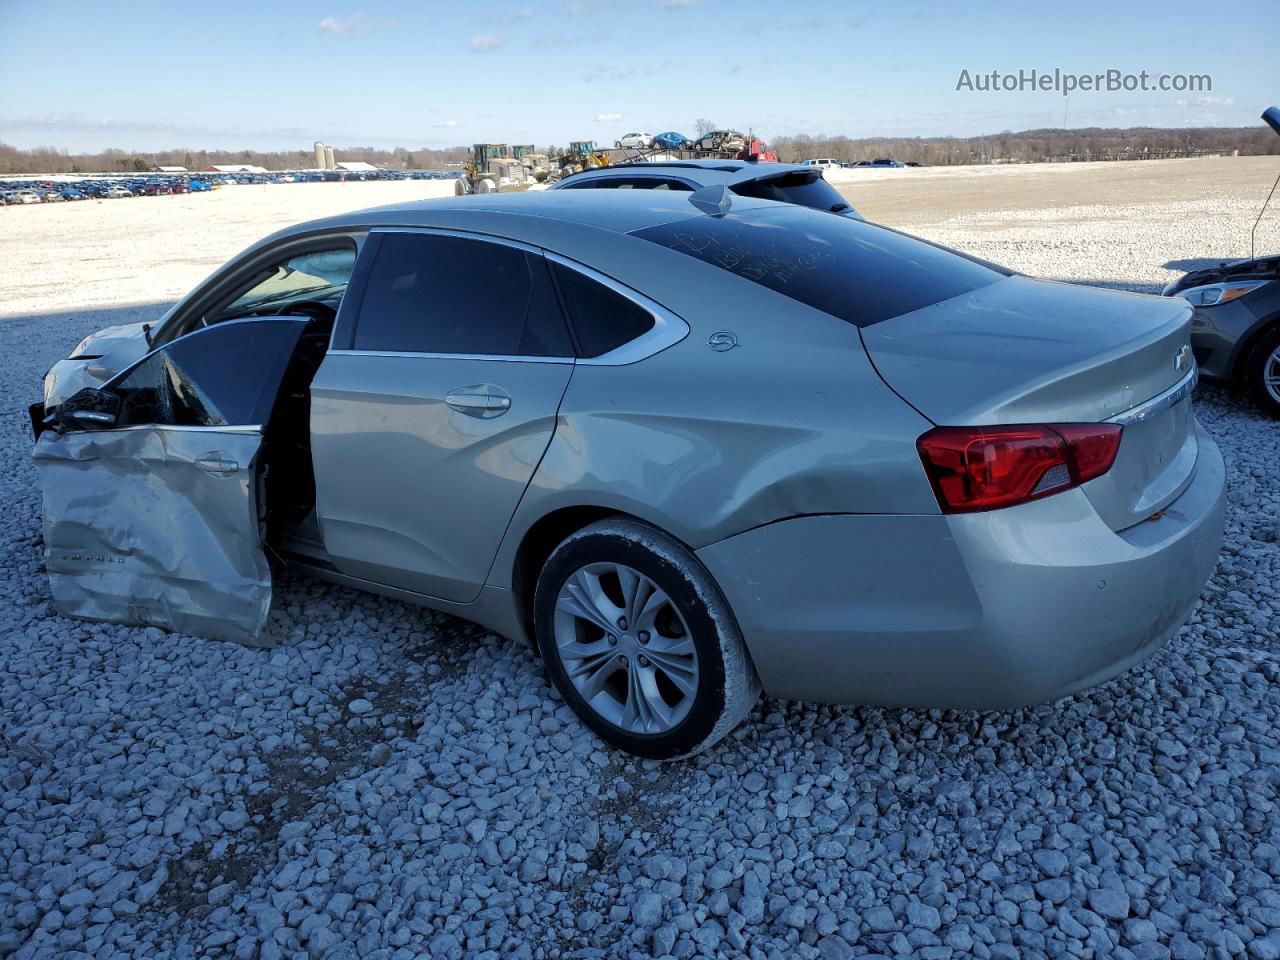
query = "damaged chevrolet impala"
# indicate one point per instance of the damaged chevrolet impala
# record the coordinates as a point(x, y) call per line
point(688, 446)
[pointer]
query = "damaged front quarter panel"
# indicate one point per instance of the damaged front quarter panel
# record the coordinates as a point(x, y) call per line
point(156, 526)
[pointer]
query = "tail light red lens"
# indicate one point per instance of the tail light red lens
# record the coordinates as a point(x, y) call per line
point(983, 468)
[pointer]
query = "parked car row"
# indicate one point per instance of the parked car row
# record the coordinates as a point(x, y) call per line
point(16, 192)
point(27, 191)
point(828, 163)
point(721, 141)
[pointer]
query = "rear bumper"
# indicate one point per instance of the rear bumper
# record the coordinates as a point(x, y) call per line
point(975, 611)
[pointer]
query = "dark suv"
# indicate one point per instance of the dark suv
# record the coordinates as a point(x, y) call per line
point(785, 182)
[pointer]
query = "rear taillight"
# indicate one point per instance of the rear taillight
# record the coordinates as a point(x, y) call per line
point(982, 468)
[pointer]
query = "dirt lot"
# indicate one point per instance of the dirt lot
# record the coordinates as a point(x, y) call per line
point(99, 253)
point(902, 197)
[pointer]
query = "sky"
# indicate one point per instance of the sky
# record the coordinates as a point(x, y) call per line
point(148, 75)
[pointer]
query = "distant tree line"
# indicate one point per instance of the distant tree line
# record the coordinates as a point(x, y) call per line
point(55, 160)
point(1033, 146)
point(1026, 146)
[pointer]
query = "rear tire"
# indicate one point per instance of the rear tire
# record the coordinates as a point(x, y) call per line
point(1262, 371)
point(670, 683)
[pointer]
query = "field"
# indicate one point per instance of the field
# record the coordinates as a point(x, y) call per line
point(393, 783)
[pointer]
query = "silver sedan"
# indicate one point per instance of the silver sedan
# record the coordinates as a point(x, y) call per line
point(687, 445)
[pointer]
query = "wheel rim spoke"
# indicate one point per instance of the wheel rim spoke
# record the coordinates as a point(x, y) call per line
point(632, 585)
point(628, 670)
point(680, 671)
point(648, 613)
point(591, 675)
point(582, 597)
point(645, 705)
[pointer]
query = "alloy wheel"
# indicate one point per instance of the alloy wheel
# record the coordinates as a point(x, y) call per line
point(1271, 375)
point(626, 648)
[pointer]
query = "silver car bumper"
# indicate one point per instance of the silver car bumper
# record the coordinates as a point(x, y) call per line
point(975, 611)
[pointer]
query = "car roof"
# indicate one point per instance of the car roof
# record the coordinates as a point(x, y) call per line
point(620, 211)
point(705, 173)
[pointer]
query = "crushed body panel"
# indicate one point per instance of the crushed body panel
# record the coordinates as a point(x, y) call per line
point(139, 529)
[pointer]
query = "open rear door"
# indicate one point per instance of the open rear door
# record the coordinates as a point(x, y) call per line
point(152, 496)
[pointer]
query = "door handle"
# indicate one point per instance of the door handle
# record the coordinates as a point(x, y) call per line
point(217, 463)
point(482, 400)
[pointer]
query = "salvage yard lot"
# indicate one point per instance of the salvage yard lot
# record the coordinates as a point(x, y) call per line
point(390, 782)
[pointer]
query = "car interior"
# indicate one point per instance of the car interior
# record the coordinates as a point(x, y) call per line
point(309, 284)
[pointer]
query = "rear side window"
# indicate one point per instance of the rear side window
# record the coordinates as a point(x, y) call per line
point(602, 319)
point(848, 268)
point(802, 187)
point(429, 293)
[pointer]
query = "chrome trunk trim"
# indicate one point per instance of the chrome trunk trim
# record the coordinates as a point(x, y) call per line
point(1159, 403)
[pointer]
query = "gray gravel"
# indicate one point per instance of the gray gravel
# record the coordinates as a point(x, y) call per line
point(393, 783)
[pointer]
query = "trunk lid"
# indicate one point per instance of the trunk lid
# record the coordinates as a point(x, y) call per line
point(1037, 351)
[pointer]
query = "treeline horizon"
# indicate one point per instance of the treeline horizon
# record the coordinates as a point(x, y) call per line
point(1026, 146)
point(1035, 146)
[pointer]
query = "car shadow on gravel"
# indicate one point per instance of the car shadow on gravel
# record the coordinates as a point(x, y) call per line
point(1195, 263)
point(299, 780)
point(87, 319)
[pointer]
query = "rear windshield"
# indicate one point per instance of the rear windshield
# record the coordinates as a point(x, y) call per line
point(849, 268)
point(804, 187)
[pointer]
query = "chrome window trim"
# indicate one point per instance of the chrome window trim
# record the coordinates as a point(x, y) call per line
point(500, 357)
point(668, 329)
point(1159, 403)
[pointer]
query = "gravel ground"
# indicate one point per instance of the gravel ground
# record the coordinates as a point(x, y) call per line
point(394, 783)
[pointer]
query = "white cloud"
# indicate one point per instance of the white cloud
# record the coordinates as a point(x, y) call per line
point(487, 43)
point(1205, 102)
point(446, 123)
point(339, 25)
point(353, 25)
point(608, 117)
point(678, 4)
